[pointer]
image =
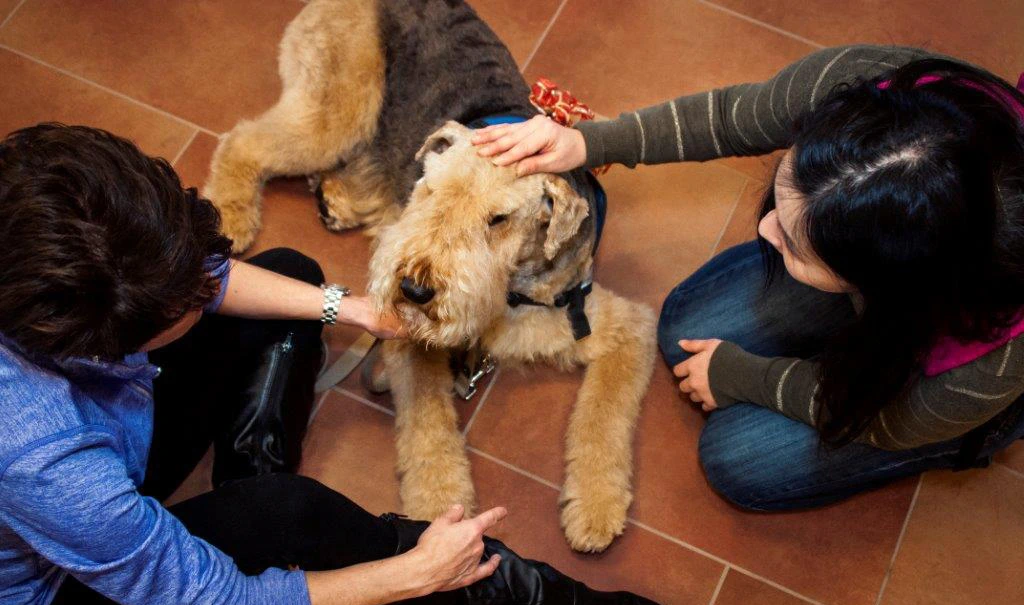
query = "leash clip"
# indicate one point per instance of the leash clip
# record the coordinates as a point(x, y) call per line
point(468, 376)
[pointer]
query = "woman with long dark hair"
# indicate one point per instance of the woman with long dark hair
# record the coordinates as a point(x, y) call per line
point(874, 331)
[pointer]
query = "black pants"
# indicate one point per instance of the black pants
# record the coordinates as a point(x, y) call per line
point(274, 520)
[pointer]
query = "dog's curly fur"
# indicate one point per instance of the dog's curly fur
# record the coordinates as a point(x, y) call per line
point(365, 83)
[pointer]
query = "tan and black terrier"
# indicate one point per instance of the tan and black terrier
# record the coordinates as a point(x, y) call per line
point(471, 256)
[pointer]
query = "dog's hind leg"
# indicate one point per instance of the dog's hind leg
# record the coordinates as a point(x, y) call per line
point(356, 195)
point(599, 443)
point(332, 70)
point(432, 463)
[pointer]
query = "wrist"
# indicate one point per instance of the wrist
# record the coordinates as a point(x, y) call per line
point(416, 577)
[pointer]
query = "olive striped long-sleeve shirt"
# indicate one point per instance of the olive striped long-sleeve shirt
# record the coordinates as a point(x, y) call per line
point(756, 118)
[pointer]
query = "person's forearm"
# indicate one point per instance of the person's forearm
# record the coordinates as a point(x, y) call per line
point(744, 119)
point(261, 294)
point(374, 583)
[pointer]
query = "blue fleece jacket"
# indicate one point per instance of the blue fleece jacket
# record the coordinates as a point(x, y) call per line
point(74, 439)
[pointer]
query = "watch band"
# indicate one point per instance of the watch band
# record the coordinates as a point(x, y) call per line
point(333, 293)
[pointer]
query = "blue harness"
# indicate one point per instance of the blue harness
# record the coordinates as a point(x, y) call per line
point(574, 299)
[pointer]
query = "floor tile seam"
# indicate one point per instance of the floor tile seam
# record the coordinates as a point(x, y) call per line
point(652, 530)
point(184, 148)
point(720, 560)
point(718, 588)
point(899, 541)
point(760, 23)
point(316, 408)
point(728, 219)
point(360, 399)
point(109, 90)
point(11, 14)
point(483, 400)
point(1009, 469)
point(543, 36)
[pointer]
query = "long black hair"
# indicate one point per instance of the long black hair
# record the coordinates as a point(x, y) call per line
point(914, 191)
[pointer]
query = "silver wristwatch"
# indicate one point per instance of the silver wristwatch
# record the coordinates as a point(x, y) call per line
point(333, 293)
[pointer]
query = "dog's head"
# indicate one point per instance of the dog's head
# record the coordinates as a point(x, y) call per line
point(469, 227)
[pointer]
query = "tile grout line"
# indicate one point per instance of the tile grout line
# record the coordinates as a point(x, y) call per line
point(184, 147)
point(109, 90)
point(483, 399)
point(11, 14)
point(543, 36)
point(363, 400)
point(728, 219)
point(899, 541)
point(760, 23)
point(656, 532)
point(720, 560)
point(514, 468)
point(718, 589)
point(316, 408)
point(1012, 471)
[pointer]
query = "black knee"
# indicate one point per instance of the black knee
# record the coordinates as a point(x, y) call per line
point(286, 496)
point(291, 263)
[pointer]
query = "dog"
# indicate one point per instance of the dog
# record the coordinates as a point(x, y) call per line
point(377, 101)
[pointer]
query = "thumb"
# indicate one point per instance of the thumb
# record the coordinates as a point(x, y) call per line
point(528, 166)
point(453, 515)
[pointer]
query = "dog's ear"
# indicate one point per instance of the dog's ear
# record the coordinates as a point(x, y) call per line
point(439, 141)
point(568, 210)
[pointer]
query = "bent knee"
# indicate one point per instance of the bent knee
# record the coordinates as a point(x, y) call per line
point(736, 473)
point(290, 263)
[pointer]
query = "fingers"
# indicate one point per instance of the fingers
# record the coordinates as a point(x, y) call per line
point(490, 134)
point(490, 518)
point(708, 407)
point(484, 570)
point(693, 346)
point(681, 369)
point(505, 137)
point(530, 143)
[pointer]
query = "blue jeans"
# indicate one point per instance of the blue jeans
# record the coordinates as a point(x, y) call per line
point(758, 458)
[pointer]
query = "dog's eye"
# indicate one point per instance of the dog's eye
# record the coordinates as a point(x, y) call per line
point(548, 201)
point(498, 219)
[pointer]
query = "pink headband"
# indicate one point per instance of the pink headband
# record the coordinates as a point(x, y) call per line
point(996, 93)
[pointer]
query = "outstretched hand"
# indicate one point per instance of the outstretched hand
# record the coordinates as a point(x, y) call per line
point(538, 144)
point(450, 549)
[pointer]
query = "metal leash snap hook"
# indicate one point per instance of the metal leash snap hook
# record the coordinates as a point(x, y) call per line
point(470, 374)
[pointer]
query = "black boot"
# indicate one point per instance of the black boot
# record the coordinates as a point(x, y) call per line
point(518, 581)
point(266, 435)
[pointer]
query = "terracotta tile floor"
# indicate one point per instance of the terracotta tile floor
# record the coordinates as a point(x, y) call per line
point(172, 75)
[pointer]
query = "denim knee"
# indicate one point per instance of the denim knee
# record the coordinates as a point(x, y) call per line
point(722, 469)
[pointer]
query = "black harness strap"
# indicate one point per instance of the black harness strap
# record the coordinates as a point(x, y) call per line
point(574, 299)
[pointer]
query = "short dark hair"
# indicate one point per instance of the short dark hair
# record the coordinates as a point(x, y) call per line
point(102, 247)
point(914, 183)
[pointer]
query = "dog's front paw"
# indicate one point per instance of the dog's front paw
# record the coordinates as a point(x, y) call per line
point(429, 490)
point(240, 230)
point(593, 518)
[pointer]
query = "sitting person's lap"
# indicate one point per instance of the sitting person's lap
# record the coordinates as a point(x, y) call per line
point(752, 455)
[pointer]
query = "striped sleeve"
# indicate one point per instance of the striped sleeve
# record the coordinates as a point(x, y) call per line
point(745, 119)
point(936, 409)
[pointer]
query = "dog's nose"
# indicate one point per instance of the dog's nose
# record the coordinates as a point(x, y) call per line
point(420, 295)
point(320, 203)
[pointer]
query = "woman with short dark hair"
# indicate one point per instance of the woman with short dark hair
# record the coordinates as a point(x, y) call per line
point(893, 336)
point(113, 384)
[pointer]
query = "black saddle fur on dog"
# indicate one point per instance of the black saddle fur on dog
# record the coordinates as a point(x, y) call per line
point(444, 63)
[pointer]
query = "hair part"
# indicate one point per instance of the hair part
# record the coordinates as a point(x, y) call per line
point(104, 249)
